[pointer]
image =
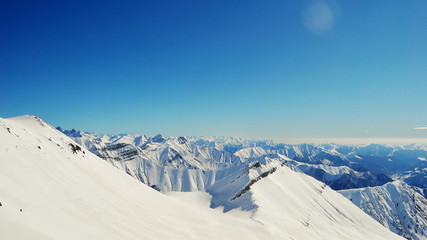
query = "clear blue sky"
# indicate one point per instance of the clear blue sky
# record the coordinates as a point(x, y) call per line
point(257, 69)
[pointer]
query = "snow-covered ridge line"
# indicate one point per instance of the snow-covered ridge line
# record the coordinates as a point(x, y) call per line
point(252, 182)
point(198, 164)
point(134, 153)
point(67, 194)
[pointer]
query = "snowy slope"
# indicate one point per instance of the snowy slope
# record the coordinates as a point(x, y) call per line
point(177, 164)
point(193, 164)
point(171, 164)
point(66, 192)
point(396, 205)
point(293, 202)
point(67, 195)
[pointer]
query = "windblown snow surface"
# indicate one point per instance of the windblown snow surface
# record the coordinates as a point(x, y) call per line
point(52, 188)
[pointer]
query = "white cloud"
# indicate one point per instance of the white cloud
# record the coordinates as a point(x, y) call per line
point(421, 127)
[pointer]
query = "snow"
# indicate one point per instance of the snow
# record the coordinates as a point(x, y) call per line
point(396, 205)
point(79, 196)
point(197, 163)
point(293, 205)
point(252, 152)
point(322, 212)
point(73, 194)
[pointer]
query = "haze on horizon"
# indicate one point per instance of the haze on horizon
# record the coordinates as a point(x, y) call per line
point(284, 70)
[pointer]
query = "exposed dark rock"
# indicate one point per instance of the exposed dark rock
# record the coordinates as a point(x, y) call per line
point(182, 140)
point(252, 182)
point(116, 146)
point(75, 148)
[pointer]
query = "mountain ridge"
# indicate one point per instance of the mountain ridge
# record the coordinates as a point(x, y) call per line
point(66, 192)
point(339, 166)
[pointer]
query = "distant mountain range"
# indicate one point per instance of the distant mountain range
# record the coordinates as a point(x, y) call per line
point(54, 188)
point(199, 163)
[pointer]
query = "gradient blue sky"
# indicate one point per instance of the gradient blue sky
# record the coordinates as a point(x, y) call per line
point(256, 69)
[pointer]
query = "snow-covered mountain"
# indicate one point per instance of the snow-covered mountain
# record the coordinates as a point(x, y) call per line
point(52, 188)
point(198, 163)
point(191, 164)
point(396, 205)
point(341, 177)
point(260, 186)
point(374, 157)
point(171, 164)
